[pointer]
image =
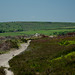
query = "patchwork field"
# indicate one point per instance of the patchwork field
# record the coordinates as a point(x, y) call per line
point(29, 28)
point(45, 32)
point(26, 26)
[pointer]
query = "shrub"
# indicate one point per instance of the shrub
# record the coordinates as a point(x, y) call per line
point(12, 43)
point(24, 40)
point(2, 72)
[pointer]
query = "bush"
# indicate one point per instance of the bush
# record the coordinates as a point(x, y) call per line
point(24, 40)
point(2, 72)
point(12, 43)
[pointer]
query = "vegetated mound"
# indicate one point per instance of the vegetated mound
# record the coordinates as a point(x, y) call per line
point(26, 26)
point(6, 43)
point(46, 56)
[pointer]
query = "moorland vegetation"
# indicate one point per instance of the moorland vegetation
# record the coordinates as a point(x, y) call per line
point(7, 43)
point(46, 56)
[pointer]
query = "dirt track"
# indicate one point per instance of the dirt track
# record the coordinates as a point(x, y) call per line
point(4, 58)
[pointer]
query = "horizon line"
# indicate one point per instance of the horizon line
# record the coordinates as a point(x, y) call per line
point(40, 21)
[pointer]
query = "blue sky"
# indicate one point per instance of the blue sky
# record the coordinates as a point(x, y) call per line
point(37, 10)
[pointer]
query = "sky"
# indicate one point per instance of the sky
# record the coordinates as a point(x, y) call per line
point(37, 10)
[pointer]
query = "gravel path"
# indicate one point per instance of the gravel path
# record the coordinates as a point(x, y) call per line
point(8, 72)
point(4, 58)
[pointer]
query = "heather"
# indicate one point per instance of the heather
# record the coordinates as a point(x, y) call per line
point(46, 56)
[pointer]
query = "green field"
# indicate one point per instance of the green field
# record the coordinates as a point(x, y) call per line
point(46, 32)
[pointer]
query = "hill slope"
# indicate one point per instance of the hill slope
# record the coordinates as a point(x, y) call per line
point(26, 26)
point(46, 56)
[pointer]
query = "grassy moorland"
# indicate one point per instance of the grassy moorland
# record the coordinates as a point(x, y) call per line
point(46, 56)
point(8, 43)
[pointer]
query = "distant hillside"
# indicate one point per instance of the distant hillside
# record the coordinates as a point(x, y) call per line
point(26, 26)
